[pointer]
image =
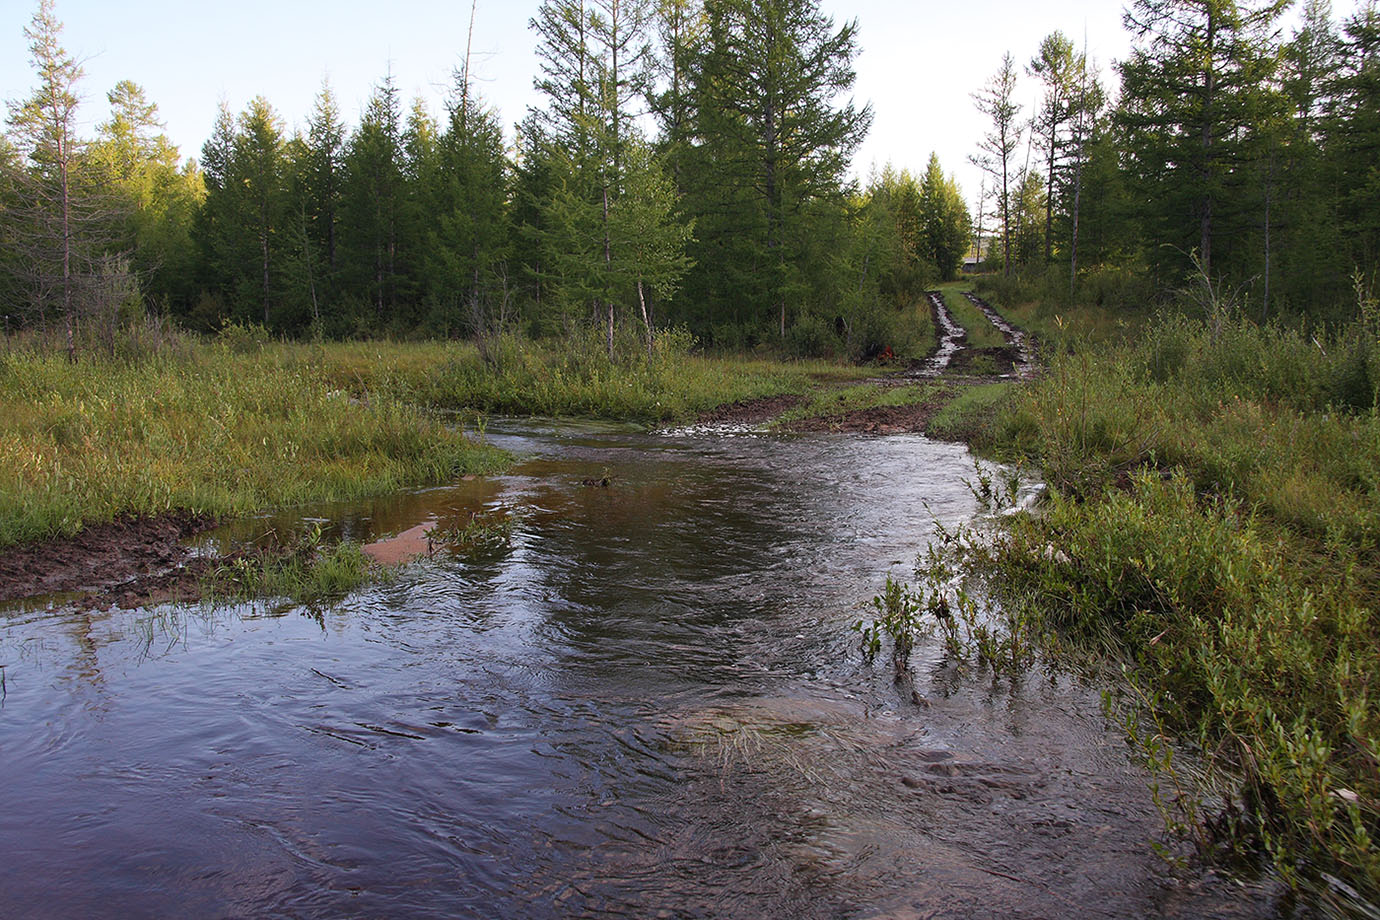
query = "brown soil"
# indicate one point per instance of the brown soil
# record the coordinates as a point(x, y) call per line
point(1000, 360)
point(877, 420)
point(750, 411)
point(130, 561)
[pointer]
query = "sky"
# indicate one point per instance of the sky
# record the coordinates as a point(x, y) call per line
point(920, 61)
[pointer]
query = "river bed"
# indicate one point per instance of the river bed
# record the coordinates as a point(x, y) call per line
point(646, 703)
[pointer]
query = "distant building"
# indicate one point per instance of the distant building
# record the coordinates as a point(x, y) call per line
point(977, 252)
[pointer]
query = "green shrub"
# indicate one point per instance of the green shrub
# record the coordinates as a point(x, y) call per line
point(1213, 522)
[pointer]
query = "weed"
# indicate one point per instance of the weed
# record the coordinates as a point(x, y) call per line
point(480, 533)
point(306, 571)
point(1212, 524)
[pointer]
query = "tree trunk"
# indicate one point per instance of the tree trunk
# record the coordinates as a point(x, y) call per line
point(263, 247)
point(1049, 200)
point(67, 305)
point(646, 317)
point(1209, 91)
point(608, 260)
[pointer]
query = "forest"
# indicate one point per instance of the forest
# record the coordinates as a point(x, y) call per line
point(690, 168)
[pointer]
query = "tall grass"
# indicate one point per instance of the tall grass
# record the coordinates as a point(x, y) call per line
point(213, 430)
point(1214, 524)
point(577, 378)
point(242, 423)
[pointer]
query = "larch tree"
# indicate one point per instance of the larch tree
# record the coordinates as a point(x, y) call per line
point(1058, 68)
point(1353, 140)
point(371, 195)
point(470, 235)
point(322, 175)
point(259, 168)
point(945, 225)
point(1190, 104)
point(55, 217)
point(998, 146)
point(155, 197)
point(773, 140)
point(679, 26)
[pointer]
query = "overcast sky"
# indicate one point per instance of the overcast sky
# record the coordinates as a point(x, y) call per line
point(918, 65)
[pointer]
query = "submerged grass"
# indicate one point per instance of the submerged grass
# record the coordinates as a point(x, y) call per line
point(307, 572)
point(1213, 525)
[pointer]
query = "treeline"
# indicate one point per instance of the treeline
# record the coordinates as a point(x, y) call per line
point(1235, 152)
point(688, 168)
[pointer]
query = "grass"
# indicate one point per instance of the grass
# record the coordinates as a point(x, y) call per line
point(1213, 526)
point(206, 429)
point(308, 572)
point(577, 379)
point(241, 424)
point(979, 329)
point(1108, 305)
point(970, 415)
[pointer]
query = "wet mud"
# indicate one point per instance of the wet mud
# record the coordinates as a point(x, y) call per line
point(128, 561)
point(750, 411)
point(910, 419)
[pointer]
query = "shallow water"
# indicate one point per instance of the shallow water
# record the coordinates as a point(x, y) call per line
point(647, 704)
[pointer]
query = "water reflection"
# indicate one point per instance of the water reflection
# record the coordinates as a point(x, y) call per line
point(647, 703)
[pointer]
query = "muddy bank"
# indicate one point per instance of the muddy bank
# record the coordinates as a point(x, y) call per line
point(127, 561)
point(876, 420)
point(750, 411)
point(999, 361)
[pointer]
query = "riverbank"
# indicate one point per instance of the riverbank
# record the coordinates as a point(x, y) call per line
point(1211, 531)
point(109, 464)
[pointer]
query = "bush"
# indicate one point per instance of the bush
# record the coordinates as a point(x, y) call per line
point(1214, 520)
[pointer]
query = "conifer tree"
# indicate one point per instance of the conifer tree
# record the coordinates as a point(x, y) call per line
point(469, 236)
point(371, 199)
point(241, 228)
point(56, 218)
point(1191, 101)
point(1058, 68)
point(772, 146)
point(323, 177)
point(1353, 140)
point(945, 226)
point(155, 198)
point(998, 146)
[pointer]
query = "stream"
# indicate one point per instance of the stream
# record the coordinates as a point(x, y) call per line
point(647, 703)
